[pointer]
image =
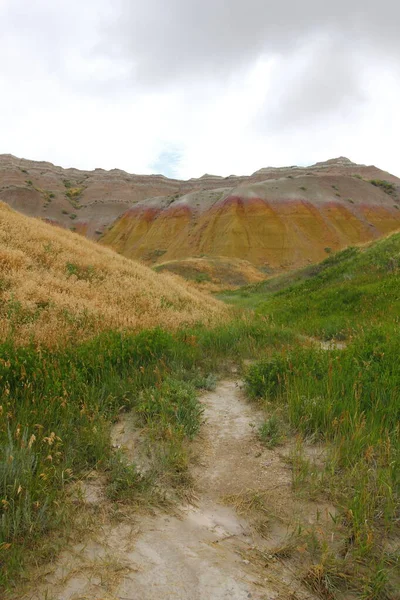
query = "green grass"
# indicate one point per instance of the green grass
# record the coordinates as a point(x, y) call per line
point(349, 290)
point(386, 186)
point(348, 399)
point(57, 407)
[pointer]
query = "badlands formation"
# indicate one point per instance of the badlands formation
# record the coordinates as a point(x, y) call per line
point(274, 220)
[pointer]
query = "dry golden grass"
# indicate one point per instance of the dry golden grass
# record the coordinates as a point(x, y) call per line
point(56, 285)
point(214, 273)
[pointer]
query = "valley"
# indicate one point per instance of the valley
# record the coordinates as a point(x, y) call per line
point(222, 425)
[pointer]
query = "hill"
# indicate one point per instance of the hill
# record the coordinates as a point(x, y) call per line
point(349, 290)
point(55, 285)
point(214, 274)
point(277, 218)
point(289, 219)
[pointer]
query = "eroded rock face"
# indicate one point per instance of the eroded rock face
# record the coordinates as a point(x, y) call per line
point(277, 218)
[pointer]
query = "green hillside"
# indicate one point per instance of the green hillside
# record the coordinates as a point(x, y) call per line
point(349, 290)
point(346, 396)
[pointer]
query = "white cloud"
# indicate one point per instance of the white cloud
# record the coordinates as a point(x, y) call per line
point(216, 86)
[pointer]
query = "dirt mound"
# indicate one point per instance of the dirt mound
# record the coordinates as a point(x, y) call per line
point(55, 284)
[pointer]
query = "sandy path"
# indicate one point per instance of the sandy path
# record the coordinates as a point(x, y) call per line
point(201, 554)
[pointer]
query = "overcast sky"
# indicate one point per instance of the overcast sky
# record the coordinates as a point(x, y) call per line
point(185, 87)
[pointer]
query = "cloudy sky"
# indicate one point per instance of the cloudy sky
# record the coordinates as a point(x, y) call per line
point(185, 87)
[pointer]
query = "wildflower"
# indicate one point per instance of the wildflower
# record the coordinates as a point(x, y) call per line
point(31, 440)
point(19, 490)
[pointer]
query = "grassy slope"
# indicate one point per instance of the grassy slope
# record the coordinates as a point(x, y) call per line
point(213, 273)
point(347, 398)
point(350, 289)
point(71, 358)
point(56, 285)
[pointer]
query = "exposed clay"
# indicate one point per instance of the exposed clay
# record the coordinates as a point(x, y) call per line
point(207, 551)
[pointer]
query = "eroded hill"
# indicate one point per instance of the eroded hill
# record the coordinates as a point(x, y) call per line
point(277, 219)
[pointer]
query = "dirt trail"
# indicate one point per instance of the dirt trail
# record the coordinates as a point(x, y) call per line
point(206, 551)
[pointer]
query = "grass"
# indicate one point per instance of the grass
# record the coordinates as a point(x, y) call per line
point(347, 399)
point(336, 298)
point(61, 387)
point(386, 186)
point(57, 406)
point(57, 286)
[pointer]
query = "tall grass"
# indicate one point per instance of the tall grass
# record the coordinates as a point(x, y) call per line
point(336, 298)
point(56, 408)
point(349, 399)
point(56, 286)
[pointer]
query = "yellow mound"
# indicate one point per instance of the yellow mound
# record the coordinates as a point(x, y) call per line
point(56, 285)
point(214, 273)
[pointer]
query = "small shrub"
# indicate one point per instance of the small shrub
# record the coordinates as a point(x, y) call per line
point(269, 432)
point(124, 481)
point(266, 379)
point(87, 273)
point(73, 216)
point(386, 186)
point(74, 192)
point(303, 187)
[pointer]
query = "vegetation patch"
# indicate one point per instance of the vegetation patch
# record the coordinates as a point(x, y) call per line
point(344, 397)
point(386, 186)
point(57, 406)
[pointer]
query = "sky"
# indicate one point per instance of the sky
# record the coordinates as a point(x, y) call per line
point(187, 87)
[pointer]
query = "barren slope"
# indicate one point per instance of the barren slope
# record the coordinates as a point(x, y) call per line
point(54, 284)
point(276, 224)
point(276, 218)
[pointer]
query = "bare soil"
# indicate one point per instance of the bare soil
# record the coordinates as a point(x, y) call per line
point(222, 545)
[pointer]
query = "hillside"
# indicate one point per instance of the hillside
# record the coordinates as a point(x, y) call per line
point(277, 218)
point(55, 285)
point(276, 224)
point(333, 299)
point(213, 274)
